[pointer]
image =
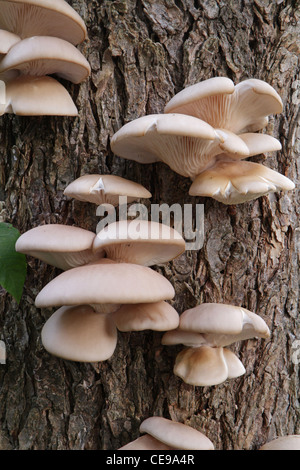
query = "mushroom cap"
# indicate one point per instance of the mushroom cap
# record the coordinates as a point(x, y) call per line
point(241, 108)
point(78, 333)
point(62, 246)
point(139, 241)
point(206, 366)
point(7, 40)
point(146, 442)
point(38, 96)
point(2, 97)
point(187, 338)
point(157, 316)
point(175, 435)
point(105, 189)
point(291, 442)
point(186, 144)
point(237, 182)
point(46, 55)
point(222, 324)
point(28, 18)
point(105, 283)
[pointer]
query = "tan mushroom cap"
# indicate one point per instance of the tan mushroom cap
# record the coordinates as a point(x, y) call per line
point(62, 246)
point(176, 435)
point(157, 316)
point(46, 55)
point(139, 241)
point(186, 144)
point(241, 108)
point(187, 338)
point(38, 96)
point(105, 283)
point(222, 324)
point(237, 182)
point(7, 40)
point(290, 442)
point(206, 366)
point(28, 18)
point(146, 442)
point(105, 189)
point(78, 333)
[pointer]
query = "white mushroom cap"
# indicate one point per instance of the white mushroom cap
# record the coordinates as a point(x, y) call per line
point(28, 18)
point(241, 108)
point(237, 182)
point(38, 96)
point(207, 366)
point(78, 333)
point(105, 189)
point(187, 338)
point(146, 442)
point(222, 324)
point(139, 241)
point(46, 55)
point(62, 246)
point(290, 442)
point(7, 40)
point(157, 316)
point(175, 435)
point(105, 283)
point(186, 144)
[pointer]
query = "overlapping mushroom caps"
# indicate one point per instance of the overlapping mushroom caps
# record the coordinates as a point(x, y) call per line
point(39, 39)
point(105, 276)
point(205, 132)
point(165, 434)
point(206, 330)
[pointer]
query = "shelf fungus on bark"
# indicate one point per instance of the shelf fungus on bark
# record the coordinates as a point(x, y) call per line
point(208, 128)
point(240, 108)
point(39, 39)
point(164, 434)
point(207, 330)
point(79, 333)
point(105, 189)
point(139, 241)
point(27, 18)
point(62, 246)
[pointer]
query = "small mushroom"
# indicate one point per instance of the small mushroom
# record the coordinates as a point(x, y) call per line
point(105, 189)
point(290, 442)
point(38, 96)
point(62, 246)
point(165, 434)
point(27, 18)
point(139, 241)
point(156, 316)
point(206, 330)
point(79, 333)
point(105, 285)
point(240, 108)
point(45, 55)
point(237, 182)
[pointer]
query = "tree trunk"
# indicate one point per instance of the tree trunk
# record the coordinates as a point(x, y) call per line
point(141, 54)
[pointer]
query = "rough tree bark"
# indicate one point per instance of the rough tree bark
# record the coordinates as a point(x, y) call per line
point(141, 54)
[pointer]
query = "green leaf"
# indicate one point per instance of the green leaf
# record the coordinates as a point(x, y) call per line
point(13, 265)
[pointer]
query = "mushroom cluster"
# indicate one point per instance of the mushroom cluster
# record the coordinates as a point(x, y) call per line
point(107, 283)
point(38, 38)
point(206, 331)
point(205, 133)
point(164, 434)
